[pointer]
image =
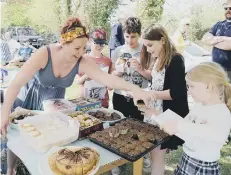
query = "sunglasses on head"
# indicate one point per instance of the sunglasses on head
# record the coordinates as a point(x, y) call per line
point(227, 8)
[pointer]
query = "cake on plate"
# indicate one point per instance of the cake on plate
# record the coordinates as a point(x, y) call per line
point(74, 161)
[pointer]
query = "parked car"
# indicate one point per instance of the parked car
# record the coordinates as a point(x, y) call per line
point(194, 55)
point(24, 33)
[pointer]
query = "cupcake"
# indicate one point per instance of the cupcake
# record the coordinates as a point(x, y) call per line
point(124, 150)
point(147, 145)
point(123, 129)
point(114, 132)
point(140, 148)
point(134, 153)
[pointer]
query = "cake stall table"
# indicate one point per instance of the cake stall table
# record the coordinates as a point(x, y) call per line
point(31, 159)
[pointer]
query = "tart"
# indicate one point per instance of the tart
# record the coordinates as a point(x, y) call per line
point(74, 161)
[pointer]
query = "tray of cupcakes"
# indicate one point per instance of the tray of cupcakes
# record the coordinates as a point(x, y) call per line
point(88, 123)
point(130, 138)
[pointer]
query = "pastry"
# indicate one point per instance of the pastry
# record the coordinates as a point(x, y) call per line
point(30, 128)
point(35, 133)
point(26, 125)
point(74, 161)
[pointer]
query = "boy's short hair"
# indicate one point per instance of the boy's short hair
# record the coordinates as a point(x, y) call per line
point(132, 25)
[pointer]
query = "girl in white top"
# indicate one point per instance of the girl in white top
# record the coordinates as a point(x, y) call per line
point(206, 128)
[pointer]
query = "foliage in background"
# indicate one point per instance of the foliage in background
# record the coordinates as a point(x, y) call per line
point(149, 11)
point(13, 13)
point(203, 16)
point(96, 13)
point(47, 16)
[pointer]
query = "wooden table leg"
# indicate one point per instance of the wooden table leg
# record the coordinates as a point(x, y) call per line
point(138, 167)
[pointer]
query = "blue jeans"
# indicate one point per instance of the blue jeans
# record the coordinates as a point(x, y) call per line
point(3, 156)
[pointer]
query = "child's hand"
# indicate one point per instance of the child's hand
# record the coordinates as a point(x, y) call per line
point(170, 127)
point(135, 64)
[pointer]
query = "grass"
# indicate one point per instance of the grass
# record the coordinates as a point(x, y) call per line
point(173, 157)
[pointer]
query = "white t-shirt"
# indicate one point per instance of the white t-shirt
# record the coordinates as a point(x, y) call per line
point(13, 45)
point(206, 129)
point(129, 75)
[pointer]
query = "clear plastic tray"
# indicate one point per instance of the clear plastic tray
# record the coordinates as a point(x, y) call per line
point(61, 105)
point(54, 128)
point(107, 111)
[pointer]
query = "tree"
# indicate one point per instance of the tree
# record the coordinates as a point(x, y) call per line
point(95, 13)
point(149, 11)
point(13, 13)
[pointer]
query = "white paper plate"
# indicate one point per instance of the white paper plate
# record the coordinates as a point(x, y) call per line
point(107, 111)
point(43, 165)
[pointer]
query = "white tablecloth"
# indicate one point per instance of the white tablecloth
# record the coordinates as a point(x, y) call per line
point(31, 158)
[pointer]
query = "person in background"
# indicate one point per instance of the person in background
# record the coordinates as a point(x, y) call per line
point(13, 44)
point(126, 64)
point(5, 55)
point(91, 89)
point(206, 128)
point(180, 37)
point(219, 37)
point(116, 37)
point(25, 51)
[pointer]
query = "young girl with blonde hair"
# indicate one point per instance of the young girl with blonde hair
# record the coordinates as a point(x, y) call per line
point(207, 126)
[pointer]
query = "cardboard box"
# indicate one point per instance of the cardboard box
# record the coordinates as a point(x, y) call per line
point(85, 105)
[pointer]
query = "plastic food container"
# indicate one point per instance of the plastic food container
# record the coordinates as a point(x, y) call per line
point(20, 114)
point(61, 105)
point(41, 132)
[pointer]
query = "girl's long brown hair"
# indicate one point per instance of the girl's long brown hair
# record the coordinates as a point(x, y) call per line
point(154, 33)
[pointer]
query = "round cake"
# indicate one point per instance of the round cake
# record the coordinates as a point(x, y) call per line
point(74, 161)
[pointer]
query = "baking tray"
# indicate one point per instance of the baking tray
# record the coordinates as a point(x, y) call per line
point(126, 156)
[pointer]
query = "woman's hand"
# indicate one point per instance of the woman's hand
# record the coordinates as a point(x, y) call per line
point(170, 127)
point(4, 124)
point(140, 94)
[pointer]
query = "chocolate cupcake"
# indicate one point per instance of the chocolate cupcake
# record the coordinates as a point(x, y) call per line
point(124, 150)
point(140, 148)
point(116, 146)
point(143, 139)
point(147, 145)
point(92, 113)
point(151, 137)
point(115, 116)
point(106, 142)
point(130, 146)
point(134, 153)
